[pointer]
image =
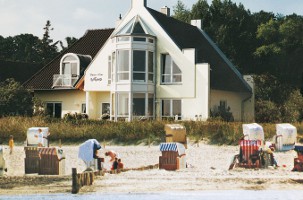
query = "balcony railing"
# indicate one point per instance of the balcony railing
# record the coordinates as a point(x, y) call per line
point(64, 80)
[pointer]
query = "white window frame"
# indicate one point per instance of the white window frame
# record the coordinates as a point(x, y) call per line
point(76, 61)
point(171, 108)
point(171, 73)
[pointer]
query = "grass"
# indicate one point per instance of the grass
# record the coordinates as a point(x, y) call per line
point(74, 131)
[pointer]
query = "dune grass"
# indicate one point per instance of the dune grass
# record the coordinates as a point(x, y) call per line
point(75, 131)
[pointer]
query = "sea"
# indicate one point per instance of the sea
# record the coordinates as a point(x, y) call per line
point(205, 195)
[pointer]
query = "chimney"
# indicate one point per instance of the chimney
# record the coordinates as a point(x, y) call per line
point(119, 20)
point(197, 23)
point(166, 11)
point(138, 3)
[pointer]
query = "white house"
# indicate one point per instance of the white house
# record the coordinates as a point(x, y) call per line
point(151, 65)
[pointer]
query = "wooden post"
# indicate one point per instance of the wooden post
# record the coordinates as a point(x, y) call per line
point(75, 185)
point(60, 143)
point(99, 163)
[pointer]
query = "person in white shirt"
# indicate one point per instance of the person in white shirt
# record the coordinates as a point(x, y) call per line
point(41, 137)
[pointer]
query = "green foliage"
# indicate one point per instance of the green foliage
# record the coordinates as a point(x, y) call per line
point(276, 102)
point(270, 88)
point(70, 41)
point(222, 113)
point(267, 111)
point(29, 48)
point(181, 12)
point(15, 99)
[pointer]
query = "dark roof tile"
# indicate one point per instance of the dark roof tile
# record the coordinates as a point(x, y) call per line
point(223, 75)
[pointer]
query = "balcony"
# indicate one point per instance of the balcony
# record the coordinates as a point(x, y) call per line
point(64, 80)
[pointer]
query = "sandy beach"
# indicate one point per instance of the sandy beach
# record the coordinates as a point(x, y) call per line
point(208, 171)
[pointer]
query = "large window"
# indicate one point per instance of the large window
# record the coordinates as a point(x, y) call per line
point(139, 104)
point(171, 73)
point(171, 108)
point(143, 104)
point(151, 66)
point(109, 69)
point(105, 108)
point(83, 108)
point(139, 66)
point(54, 109)
point(123, 65)
point(70, 66)
point(150, 105)
point(123, 102)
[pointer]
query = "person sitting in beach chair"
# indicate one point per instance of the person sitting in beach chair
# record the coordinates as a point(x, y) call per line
point(272, 156)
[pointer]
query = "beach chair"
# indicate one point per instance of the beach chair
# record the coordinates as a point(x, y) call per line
point(2, 162)
point(285, 138)
point(173, 156)
point(249, 153)
point(298, 162)
point(86, 153)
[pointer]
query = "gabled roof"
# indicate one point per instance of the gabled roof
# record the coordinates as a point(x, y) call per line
point(135, 27)
point(223, 75)
point(89, 44)
point(11, 69)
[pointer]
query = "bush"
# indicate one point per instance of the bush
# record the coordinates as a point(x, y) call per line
point(15, 99)
point(267, 111)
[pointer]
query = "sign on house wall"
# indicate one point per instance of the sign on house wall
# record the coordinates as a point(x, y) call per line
point(96, 77)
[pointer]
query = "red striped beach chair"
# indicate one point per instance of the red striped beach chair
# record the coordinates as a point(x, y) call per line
point(249, 153)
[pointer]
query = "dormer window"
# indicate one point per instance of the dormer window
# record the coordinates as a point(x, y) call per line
point(72, 67)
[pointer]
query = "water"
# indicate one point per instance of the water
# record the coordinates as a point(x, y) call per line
point(205, 195)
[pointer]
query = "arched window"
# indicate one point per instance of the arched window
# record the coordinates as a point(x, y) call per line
point(70, 65)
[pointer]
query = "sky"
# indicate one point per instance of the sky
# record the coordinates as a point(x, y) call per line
point(72, 18)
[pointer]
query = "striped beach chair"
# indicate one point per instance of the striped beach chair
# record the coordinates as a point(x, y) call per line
point(249, 153)
point(173, 156)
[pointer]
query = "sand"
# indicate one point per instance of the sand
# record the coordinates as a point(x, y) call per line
point(208, 171)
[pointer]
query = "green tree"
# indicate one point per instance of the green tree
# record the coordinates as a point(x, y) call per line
point(15, 99)
point(48, 49)
point(70, 41)
point(200, 10)
point(281, 49)
point(181, 12)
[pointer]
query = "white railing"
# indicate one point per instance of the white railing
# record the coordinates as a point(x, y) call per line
point(64, 80)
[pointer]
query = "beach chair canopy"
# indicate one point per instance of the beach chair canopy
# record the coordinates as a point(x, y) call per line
point(173, 146)
point(32, 140)
point(288, 133)
point(87, 149)
point(253, 131)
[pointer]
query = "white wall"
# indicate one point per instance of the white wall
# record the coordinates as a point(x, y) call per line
point(71, 100)
point(199, 105)
point(96, 75)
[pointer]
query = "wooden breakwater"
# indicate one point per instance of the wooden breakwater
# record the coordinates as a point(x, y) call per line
point(87, 178)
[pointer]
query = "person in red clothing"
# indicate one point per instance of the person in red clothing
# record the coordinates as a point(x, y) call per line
point(120, 164)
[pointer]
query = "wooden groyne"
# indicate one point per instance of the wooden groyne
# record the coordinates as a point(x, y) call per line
point(87, 178)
